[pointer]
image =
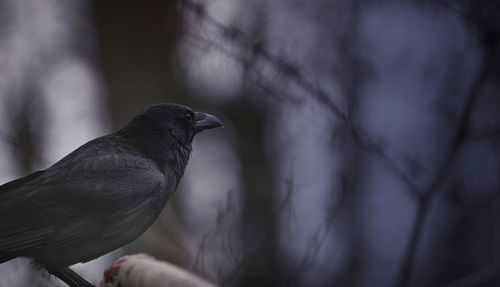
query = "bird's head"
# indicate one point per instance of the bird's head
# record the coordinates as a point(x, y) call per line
point(166, 124)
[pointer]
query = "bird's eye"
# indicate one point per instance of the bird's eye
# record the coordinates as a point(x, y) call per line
point(188, 117)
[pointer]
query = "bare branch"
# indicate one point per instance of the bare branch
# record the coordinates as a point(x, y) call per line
point(291, 72)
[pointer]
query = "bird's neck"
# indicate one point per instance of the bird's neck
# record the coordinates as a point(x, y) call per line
point(178, 158)
point(166, 150)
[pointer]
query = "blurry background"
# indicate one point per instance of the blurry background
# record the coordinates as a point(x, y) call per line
point(361, 144)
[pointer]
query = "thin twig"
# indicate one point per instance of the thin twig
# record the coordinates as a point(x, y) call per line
point(441, 178)
point(291, 71)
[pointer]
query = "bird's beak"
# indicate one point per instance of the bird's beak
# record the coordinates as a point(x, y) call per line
point(204, 121)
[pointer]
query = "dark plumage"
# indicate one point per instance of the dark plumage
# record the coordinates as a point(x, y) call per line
point(101, 196)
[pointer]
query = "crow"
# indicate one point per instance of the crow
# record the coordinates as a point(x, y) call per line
point(102, 195)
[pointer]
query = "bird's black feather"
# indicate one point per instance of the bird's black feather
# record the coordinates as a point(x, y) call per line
point(12, 185)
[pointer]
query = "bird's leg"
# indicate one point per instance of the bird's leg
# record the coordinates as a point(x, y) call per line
point(70, 277)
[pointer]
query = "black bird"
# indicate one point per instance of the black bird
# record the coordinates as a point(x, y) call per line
point(101, 196)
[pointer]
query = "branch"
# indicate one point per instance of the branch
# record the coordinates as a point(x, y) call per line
point(291, 71)
point(143, 270)
point(443, 174)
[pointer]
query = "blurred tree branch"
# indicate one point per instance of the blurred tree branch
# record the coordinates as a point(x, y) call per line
point(459, 137)
point(423, 195)
point(292, 72)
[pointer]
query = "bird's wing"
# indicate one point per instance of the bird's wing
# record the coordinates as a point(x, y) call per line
point(12, 185)
point(78, 197)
